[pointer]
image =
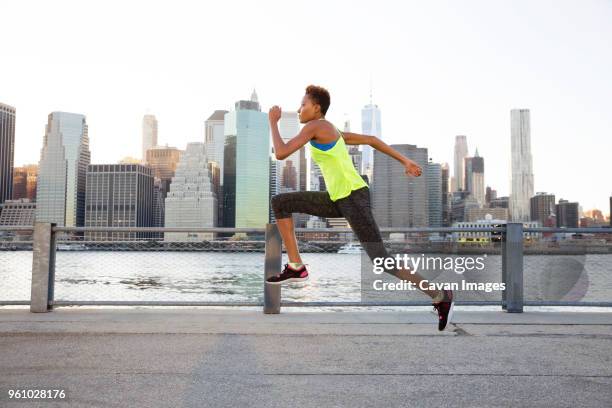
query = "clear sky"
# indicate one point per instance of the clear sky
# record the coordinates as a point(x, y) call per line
point(439, 69)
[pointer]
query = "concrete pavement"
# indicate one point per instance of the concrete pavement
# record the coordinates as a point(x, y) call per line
point(155, 357)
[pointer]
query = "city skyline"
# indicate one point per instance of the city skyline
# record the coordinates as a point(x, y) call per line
point(544, 64)
point(119, 160)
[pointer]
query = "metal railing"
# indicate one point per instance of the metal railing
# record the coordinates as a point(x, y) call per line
point(44, 245)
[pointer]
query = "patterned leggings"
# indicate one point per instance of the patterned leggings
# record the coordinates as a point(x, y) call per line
point(355, 208)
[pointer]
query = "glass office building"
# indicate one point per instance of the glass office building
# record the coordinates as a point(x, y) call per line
point(60, 190)
point(246, 166)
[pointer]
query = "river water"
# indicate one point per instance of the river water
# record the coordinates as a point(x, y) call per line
point(230, 277)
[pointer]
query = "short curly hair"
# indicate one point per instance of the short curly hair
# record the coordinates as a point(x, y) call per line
point(320, 96)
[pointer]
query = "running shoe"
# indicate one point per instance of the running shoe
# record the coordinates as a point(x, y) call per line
point(445, 309)
point(289, 275)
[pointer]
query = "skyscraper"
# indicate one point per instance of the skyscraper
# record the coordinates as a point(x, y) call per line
point(118, 195)
point(567, 214)
point(214, 139)
point(542, 206)
point(474, 177)
point(246, 165)
point(163, 161)
point(149, 134)
point(274, 184)
point(158, 206)
point(445, 195)
point(214, 143)
point(461, 152)
point(490, 195)
point(434, 192)
point(229, 175)
point(191, 201)
point(458, 202)
point(400, 200)
point(62, 170)
point(521, 189)
point(370, 125)
point(24, 182)
point(7, 151)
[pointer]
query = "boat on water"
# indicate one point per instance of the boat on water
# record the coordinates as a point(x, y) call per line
point(350, 248)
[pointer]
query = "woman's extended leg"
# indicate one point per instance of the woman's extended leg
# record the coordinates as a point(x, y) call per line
point(306, 202)
point(357, 211)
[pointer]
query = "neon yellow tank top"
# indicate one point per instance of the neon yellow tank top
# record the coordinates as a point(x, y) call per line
point(338, 170)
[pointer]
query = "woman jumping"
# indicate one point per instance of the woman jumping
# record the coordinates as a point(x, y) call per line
point(347, 195)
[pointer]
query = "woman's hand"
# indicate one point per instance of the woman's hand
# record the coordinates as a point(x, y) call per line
point(412, 169)
point(274, 114)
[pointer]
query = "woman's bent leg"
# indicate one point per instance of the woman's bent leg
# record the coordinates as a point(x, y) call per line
point(307, 202)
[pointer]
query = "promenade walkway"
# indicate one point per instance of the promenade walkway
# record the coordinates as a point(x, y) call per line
point(186, 357)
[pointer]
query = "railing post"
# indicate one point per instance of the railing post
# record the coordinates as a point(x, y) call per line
point(43, 268)
point(512, 268)
point(272, 293)
point(504, 272)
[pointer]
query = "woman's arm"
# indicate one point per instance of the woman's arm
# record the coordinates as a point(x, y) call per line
point(412, 168)
point(388, 150)
point(283, 150)
point(356, 138)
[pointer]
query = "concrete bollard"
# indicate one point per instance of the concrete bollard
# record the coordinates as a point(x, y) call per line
point(272, 293)
point(43, 268)
point(512, 268)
